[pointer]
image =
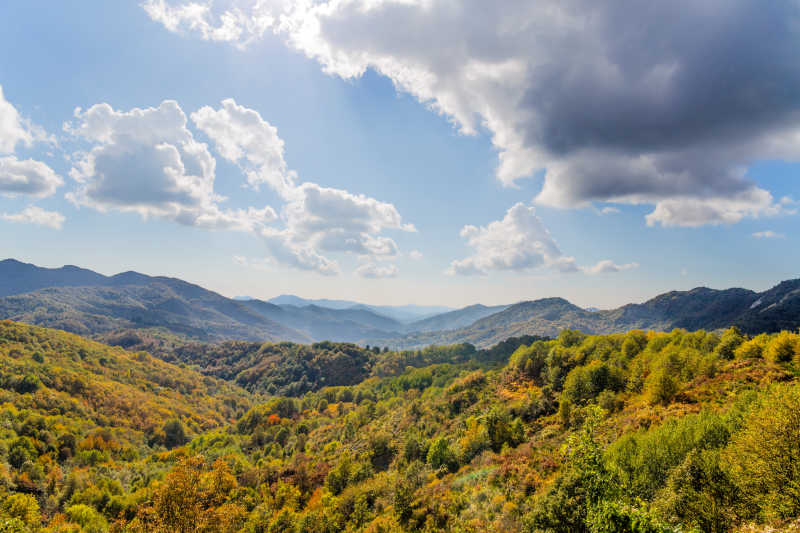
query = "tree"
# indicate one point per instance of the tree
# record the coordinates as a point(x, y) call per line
point(729, 341)
point(20, 506)
point(764, 457)
point(441, 456)
point(174, 434)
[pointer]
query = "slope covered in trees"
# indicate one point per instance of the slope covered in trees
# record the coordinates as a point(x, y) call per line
point(639, 432)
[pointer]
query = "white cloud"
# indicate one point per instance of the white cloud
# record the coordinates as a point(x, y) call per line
point(27, 176)
point(231, 25)
point(517, 242)
point(241, 135)
point(374, 271)
point(520, 242)
point(13, 129)
point(606, 266)
point(614, 102)
point(768, 234)
point(609, 210)
point(146, 161)
point(38, 216)
point(416, 255)
point(318, 219)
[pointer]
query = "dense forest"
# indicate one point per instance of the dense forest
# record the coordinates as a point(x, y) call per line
point(634, 432)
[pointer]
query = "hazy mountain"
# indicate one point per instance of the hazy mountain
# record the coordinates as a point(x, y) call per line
point(455, 319)
point(85, 302)
point(401, 313)
point(322, 323)
point(700, 308)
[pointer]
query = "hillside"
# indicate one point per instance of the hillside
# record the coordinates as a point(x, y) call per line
point(86, 384)
point(637, 432)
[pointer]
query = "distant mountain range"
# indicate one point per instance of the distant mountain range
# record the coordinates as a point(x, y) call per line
point(401, 313)
point(85, 302)
point(700, 308)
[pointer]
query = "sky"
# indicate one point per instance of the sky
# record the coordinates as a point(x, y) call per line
point(433, 152)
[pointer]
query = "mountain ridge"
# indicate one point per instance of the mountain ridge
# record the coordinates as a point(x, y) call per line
point(130, 300)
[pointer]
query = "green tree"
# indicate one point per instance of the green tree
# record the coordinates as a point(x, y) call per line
point(174, 434)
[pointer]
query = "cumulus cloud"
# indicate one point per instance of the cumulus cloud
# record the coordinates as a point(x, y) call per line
point(768, 234)
point(520, 242)
point(38, 216)
point(148, 162)
point(416, 255)
point(624, 102)
point(318, 219)
point(27, 176)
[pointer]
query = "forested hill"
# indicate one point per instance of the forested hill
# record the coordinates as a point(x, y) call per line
point(642, 432)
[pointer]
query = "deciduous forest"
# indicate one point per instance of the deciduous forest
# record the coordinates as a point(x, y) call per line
point(639, 432)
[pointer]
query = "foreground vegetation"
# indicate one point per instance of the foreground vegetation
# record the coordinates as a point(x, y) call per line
point(639, 432)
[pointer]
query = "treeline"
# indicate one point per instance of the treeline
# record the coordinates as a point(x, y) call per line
point(290, 369)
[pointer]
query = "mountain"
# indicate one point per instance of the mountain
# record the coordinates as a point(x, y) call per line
point(17, 277)
point(700, 308)
point(130, 301)
point(455, 319)
point(322, 323)
point(89, 303)
point(401, 313)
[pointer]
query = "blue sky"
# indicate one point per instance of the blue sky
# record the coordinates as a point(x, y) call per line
point(505, 194)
